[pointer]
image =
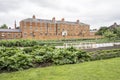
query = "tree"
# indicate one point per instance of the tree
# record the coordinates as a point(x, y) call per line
point(102, 30)
point(4, 26)
point(109, 34)
point(117, 31)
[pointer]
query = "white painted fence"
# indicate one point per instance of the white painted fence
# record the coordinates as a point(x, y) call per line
point(87, 45)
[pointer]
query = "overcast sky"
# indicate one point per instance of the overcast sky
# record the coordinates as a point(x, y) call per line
point(96, 13)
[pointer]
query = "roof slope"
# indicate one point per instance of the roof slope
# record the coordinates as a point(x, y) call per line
point(10, 30)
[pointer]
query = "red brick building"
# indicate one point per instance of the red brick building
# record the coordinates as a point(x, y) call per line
point(41, 29)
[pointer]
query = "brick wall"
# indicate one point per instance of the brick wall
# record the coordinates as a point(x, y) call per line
point(33, 29)
point(10, 35)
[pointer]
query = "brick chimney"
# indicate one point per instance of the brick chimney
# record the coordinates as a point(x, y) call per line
point(78, 21)
point(63, 20)
point(33, 16)
point(53, 19)
point(15, 24)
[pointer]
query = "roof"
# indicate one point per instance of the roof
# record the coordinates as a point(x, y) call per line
point(114, 25)
point(10, 30)
point(50, 21)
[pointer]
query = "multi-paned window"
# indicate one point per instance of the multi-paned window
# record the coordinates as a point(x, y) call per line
point(25, 34)
point(9, 34)
point(30, 25)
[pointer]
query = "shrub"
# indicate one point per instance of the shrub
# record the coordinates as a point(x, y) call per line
point(105, 54)
point(12, 59)
point(69, 56)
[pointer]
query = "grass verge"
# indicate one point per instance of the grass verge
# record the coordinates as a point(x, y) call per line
point(96, 70)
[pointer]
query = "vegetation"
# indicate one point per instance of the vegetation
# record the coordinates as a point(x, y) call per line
point(105, 54)
point(102, 30)
point(109, 33)
point(30, 43)
point(4, 26)
point(27, 43)
point(96, 70)
point(13, 59)
point(116, 31)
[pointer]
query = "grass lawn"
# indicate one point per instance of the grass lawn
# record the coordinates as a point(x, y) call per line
point(96, 70)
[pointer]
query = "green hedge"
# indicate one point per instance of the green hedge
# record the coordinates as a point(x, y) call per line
point(27, 43)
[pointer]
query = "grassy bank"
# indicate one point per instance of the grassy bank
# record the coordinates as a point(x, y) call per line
point(95, 70)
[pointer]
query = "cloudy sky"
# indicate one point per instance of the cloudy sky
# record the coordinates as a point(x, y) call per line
point(94, 12)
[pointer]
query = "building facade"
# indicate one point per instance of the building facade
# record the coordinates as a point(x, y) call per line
point(33, 28)
point(10, 34)
point(41, 29)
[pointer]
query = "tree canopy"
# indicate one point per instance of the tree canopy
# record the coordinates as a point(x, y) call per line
point(4, 26)
point(102, 30)
point(110, 33)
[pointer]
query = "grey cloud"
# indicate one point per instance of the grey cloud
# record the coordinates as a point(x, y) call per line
point(9, 5)
point(47, 3)
point(93, 12)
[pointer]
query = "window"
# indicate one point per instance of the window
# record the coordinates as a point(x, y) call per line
point(40, 28)
point(55, 27)
point(15, 36)
point(18, 34)
point(54, 33)
point(50, 27)
point(59, 34)
point(9, 34)
point(40, 33)
point(3, 35)
point(30, 27)
point(25, 34)
point(25, 27)
point(45, 33)
point(50, 34)
point(46, 25)
point(32, 34)
point(30, 23)
point(36, 28)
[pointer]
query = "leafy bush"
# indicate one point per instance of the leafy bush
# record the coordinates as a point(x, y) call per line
point(69, 56)
point(14, 59)
point(17, 59)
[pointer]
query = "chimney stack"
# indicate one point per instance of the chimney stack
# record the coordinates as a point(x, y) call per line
point(78, 21)
point(63, 20)
point(15, 24)
point(53, 19)
point(33, 16)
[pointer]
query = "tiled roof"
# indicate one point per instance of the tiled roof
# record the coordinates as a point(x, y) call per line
point(10, 30)
point(50, 21)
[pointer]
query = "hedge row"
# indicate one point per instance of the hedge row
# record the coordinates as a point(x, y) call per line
point(27, 43)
